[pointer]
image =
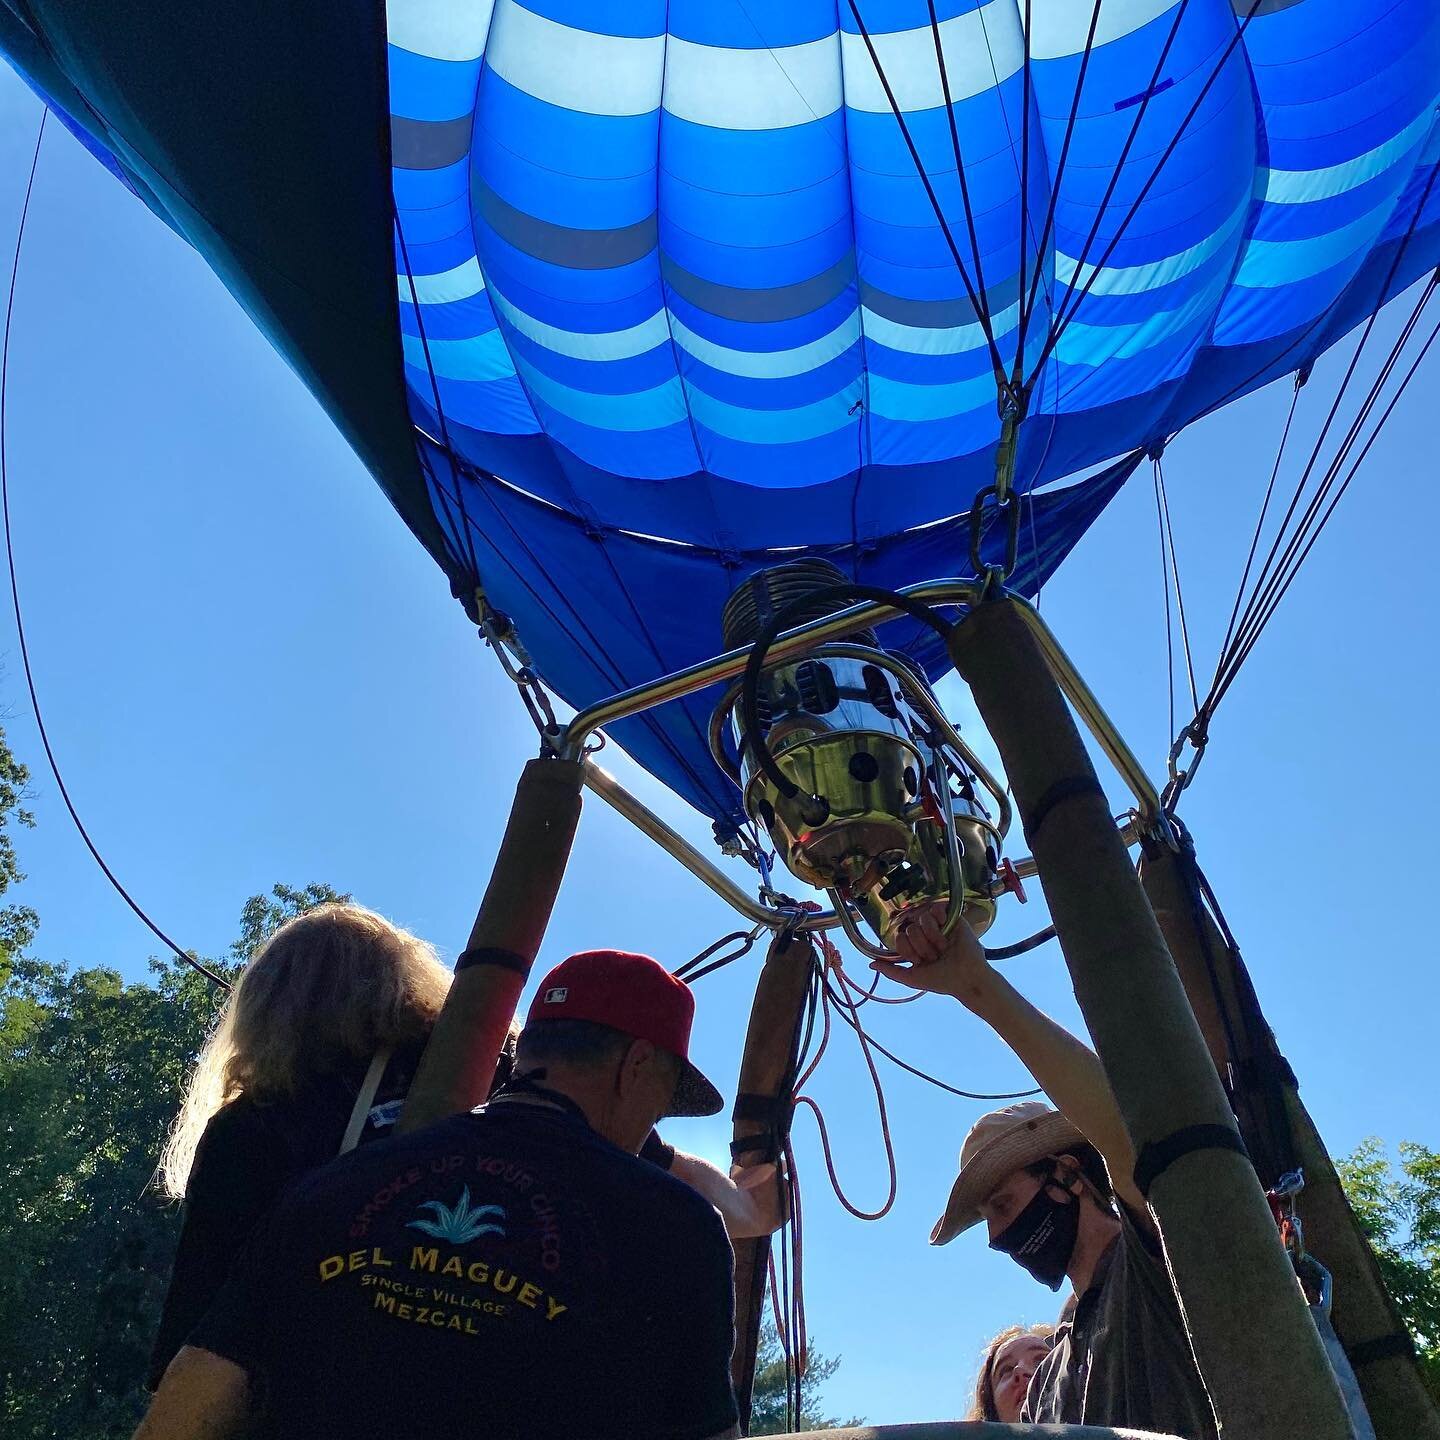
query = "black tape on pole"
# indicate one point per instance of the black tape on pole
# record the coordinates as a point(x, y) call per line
point(486, 955)
point(1058, 793)
point(1398, 1345)
point(1157, 1156)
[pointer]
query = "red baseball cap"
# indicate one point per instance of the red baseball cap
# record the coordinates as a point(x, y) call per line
point(638, 997)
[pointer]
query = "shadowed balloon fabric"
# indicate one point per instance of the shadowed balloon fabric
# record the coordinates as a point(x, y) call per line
point(620, 300)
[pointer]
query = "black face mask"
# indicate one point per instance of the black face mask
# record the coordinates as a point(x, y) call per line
point(1041, 1238)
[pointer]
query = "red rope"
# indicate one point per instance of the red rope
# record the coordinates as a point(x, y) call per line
point(864, 996)
point(828, 996)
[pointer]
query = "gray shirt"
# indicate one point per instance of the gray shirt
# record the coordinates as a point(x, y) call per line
point(1121, 1356)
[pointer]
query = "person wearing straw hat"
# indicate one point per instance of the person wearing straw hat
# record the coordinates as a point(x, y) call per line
point(516, 1271)
point(1054, 1189)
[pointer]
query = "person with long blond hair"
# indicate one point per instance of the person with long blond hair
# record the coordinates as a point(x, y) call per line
point(312, 1054)
point(1011, 1359)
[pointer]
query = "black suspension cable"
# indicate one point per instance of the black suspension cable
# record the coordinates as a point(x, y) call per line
point(458, 466)
point(1169, 624)
point(1115, 174)
point(1288, 550)
point(977, 301)
point(1275, 557)
point(1175, 574)
point(1265, 585)
point(1028, 302)
point(450, 453)
point(1071, 303)
point(1025, 99)
point(215, 979)
point(1280, 563)
point(1324, 520)
point(1301, 377)
point(955, 145)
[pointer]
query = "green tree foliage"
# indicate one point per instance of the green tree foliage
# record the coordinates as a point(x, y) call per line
point(17, 922)
point(767, 1413)
point(91, 1072)
point(1399, 1210)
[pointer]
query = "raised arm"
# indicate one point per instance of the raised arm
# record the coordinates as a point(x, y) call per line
point(751, 1200)
point(1065, 1068)
point(202, 1397)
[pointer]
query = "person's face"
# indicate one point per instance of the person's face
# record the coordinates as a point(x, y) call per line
point(644, 1088)
point(1010, 1371)
point(1007, 1200)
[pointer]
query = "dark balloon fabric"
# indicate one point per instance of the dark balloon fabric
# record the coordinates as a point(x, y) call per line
point(672, 272)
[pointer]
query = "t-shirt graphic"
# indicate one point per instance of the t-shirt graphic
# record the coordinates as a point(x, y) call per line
point(507, 1273)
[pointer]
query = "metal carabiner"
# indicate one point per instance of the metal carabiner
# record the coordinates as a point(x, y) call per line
point(1007, 508)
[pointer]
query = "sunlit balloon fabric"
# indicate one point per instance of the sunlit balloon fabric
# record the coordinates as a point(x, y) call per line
point(674, 264)
point(631, 298)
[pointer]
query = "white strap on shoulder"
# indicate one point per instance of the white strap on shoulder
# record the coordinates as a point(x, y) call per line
point(365, 1099)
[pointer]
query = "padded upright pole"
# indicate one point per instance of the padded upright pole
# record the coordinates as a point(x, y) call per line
point(1257, 1350)
point(459, 1061)
point(1370, 1329)
point(763, 1102)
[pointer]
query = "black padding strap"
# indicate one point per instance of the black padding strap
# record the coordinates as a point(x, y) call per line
point(1157, 1156)
point(749, 1144)
point(657, 1152)
point(486, 955)
point(1398, 1345)
point(1265, 1069)
point(762, 1109)
point(1059, 792)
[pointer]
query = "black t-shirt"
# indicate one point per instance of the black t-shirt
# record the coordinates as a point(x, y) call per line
point(247, 1157)
point(506, 1273)
point(1121, 1356)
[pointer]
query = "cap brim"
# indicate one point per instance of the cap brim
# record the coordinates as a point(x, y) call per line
point(694, 1094)
point(1023, 1144)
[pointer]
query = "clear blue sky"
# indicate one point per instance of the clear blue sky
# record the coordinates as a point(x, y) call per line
point(252, 674)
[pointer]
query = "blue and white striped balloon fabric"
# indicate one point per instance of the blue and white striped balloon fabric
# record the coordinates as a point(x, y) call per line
point(688, 243)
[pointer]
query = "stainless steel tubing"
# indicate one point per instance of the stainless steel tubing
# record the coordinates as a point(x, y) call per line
point(732, 662)
point(613, 793)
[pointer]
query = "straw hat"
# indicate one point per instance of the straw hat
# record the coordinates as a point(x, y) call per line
point(999, 1144)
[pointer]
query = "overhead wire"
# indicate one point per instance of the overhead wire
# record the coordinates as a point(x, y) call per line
point(184, 955)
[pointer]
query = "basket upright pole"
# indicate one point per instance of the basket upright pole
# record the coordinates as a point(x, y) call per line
point(1255, 1345)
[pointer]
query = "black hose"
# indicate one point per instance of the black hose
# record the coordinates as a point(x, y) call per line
point(751, 734)
point(1022, 947)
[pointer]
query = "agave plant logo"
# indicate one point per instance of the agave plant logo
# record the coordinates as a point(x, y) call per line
point(460, 1223)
